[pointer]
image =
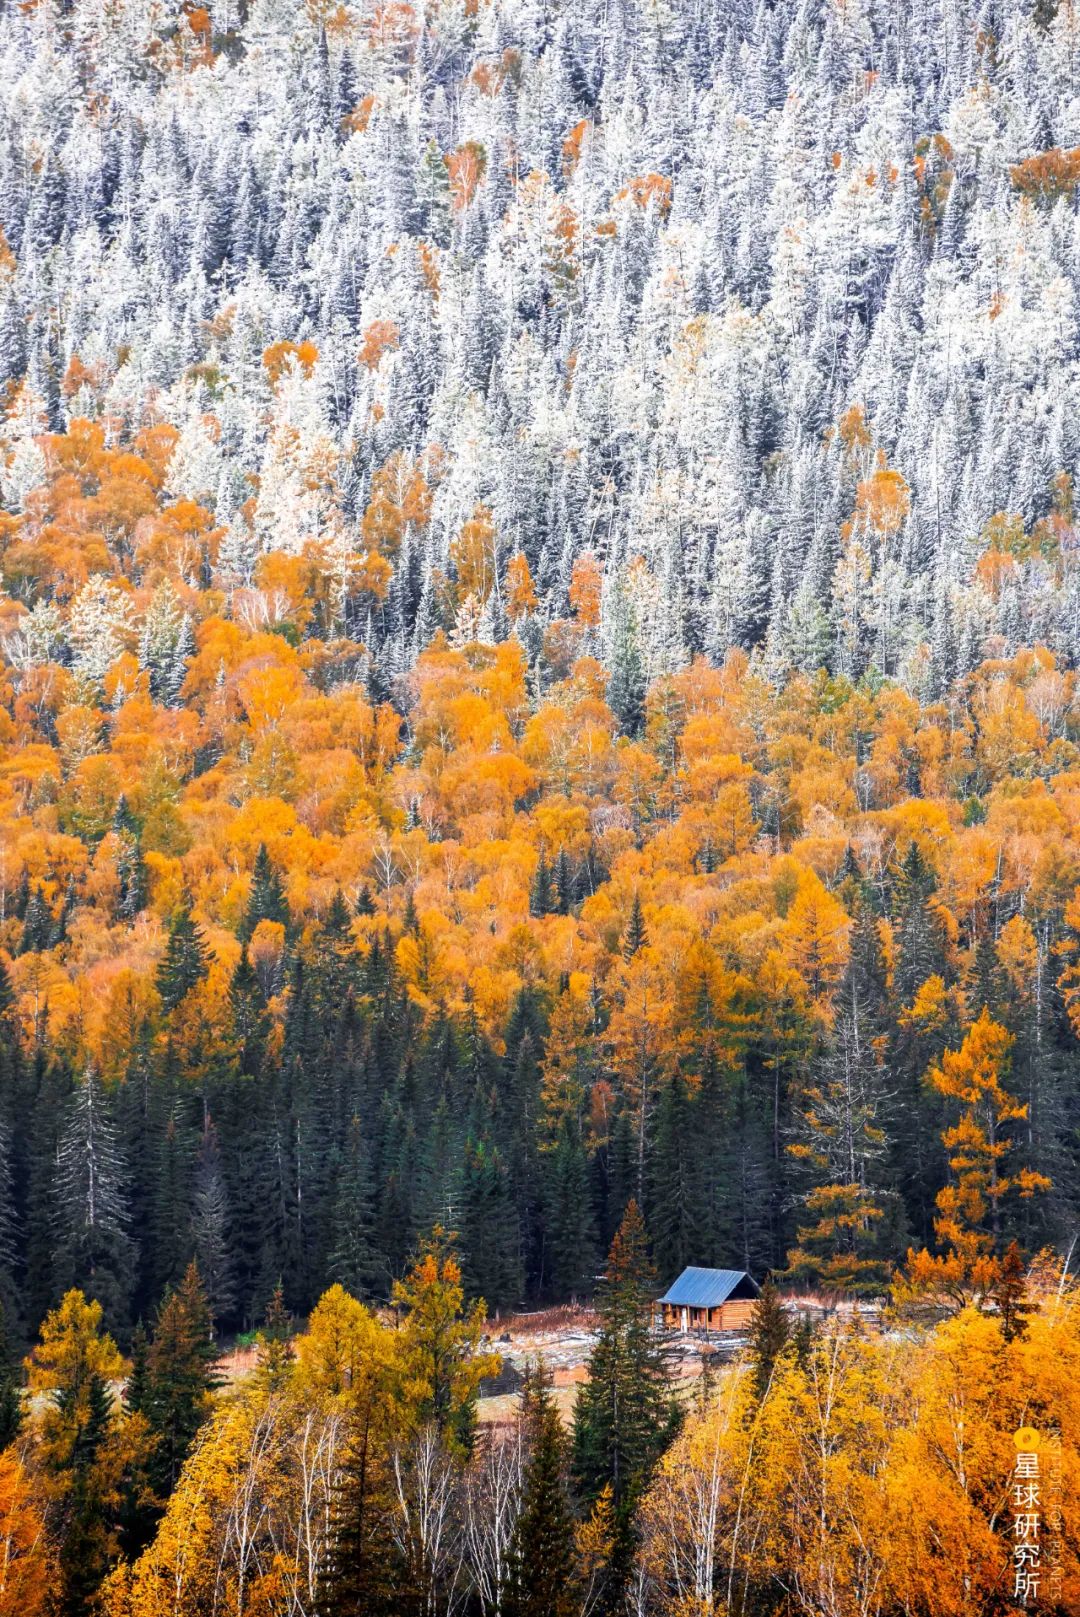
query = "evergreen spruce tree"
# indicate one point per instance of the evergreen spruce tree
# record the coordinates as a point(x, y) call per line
point(59, 929)
point(131, 873)
point(542, 1572)
point(918, 935)
point(542, 893)
point(11, 1244)
point(210, 1226)
point(488, 1228)
point(275, 1352)
point(185, 961)
point(266, 901)
point(621, 1167)
point(137, 1385)
point(37, 924)
point(564, 884)
point(168, 1217)
point(516, 1126)
point(87, 1532)
point(636, 935)
point(568, 1219)
point(49, 1105)
point(250, 1022)
point(11, 1407)
point(624, 1411)
point(93, 1248)
point(627, 686)
point(165, 644)
point(673, 1207)
point(179, 1379)
point(363, 1574)
point(352, 1260)
point(769, 1333)
point(624, 1416)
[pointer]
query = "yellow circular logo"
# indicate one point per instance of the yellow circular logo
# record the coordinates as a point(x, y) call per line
point(1027, 1439)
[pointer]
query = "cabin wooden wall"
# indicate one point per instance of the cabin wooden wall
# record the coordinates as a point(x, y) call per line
point(736, 1315)
point(733, 1316)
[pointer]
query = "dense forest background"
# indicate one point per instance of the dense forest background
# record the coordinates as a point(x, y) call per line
point(539, 743)
point(520, 532)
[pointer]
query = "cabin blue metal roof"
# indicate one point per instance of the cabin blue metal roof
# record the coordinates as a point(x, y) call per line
point(705, 1288)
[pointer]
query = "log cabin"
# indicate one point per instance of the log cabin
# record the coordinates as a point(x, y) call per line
point(709, 1300)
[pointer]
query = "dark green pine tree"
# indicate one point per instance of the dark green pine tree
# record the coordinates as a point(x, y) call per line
point(363, 1574)
point(919, 940)
point(542, 892)
point(636, 935)
point(179, 1379)
point(627, 686)
point(274, 1355)
point(353, 1261)
point(37, 924)
point(251, 1023)
point(673, 1203)
point(624, 1411)
point(570, 1243)
point(620, 1174)
point(488, 1228)
point(21, 900)
point(11, 1407)
point(141, 1508)
point(266, 901)
point(564, 884)
point(517, 1126)
point(137, 1385)
point(58, 933)
point(11, 1244)
point(769, 1333)
point(266, 1201)
point(12, 1065)
point(84, 1527)
point(16, 1108)
point(48, 1105)
point(853, 887)
point(185, 961)
point(542, 1562)
point(987, 987)
point(308, 1112)
point(867, 970)
point(124, 823)
point(917, 1164)
point(134, 881)
point(479, 1085)
point(131, 869)
point(168, 1223)
point(624, 1417)
point(710, 1146)
point(93, 1250)
point(397, 1182)
point(335, 966)
point(210, 1225)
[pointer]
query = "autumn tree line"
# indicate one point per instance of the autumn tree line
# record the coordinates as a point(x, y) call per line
point(828, 1471)
point(301, 965)
point(289, 977)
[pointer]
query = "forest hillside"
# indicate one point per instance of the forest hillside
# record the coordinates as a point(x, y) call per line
point(539, 745)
